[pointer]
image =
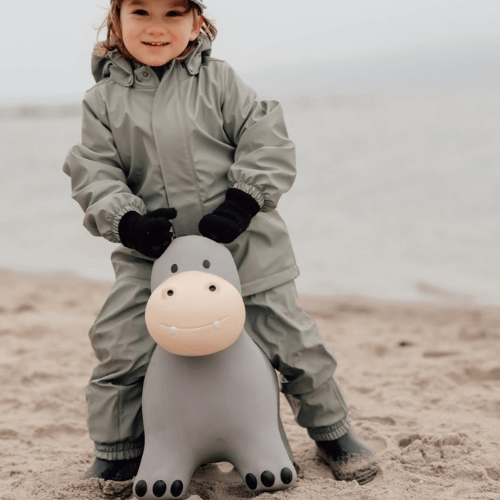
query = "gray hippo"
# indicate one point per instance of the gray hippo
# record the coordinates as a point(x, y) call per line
point(210, 394)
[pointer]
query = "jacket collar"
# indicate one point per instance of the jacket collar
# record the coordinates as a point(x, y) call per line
point(195, 59)
point(122, 70)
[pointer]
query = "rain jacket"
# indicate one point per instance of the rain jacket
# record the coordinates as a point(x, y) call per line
point(182, 142)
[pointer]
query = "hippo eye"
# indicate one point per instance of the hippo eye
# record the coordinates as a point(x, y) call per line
point(174, 268)
point(212, 288)
point(206, 264)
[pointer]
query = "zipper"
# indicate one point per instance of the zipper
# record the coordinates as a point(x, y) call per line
point(168, 69)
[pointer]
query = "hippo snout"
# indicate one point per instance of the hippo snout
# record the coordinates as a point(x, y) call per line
point(195, 314)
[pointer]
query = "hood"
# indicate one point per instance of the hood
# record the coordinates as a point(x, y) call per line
point(121, 70)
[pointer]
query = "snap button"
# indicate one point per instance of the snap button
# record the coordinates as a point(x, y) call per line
point(145, 74)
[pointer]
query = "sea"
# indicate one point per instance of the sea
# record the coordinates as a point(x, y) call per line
point(397, 196)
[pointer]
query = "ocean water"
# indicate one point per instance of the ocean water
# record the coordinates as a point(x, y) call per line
point(397, 196)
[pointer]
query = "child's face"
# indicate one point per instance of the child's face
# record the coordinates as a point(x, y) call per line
point(165, 21)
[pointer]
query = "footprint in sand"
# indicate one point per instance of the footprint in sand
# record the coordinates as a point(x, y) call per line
point(451, 455)
point(472, 373)
point(8, 434)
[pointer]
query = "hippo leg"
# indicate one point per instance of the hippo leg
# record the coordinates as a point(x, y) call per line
point(263, 464)
point(163, 475)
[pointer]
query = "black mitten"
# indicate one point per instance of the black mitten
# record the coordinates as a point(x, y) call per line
point(149, 233)
point(230, 218)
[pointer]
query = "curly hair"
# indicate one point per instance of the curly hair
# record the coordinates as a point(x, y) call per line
point(114, 39)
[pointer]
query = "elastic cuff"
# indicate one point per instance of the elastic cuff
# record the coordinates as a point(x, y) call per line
point(330, 432)
point(254, 192)
point(117, 218)
point(119, 451)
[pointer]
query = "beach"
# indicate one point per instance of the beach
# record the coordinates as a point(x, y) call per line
point(423, 382)
point(394, 224)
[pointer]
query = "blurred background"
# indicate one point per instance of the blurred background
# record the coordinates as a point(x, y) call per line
point(394, 107)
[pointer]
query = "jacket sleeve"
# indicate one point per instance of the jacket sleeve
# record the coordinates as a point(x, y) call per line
point(264, 158)
point(98, 180)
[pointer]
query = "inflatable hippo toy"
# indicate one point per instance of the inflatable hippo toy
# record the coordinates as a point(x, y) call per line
point(210, 394)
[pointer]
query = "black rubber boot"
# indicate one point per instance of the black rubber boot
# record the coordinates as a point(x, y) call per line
point(113, 470)
point(348, 458)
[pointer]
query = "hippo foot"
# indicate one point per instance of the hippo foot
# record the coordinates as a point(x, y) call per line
point(268, 481)
point(158, 490)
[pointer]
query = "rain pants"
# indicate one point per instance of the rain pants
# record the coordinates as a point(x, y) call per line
point(181, 142)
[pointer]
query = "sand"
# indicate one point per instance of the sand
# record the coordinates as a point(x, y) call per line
point(423, 382)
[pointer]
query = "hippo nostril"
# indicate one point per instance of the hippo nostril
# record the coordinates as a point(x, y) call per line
point(212, 288)
point(166, 292)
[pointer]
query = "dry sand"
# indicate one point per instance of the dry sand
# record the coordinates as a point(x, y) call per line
point(423, 383)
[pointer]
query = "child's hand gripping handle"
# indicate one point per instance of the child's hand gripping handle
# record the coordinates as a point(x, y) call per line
point(230, 218)
point(149, 233)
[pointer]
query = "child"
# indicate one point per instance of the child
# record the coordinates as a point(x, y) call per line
point(174, 143)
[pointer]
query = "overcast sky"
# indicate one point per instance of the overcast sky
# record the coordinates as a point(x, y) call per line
point(46, 45)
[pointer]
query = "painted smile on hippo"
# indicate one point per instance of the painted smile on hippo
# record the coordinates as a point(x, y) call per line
point(175, 329)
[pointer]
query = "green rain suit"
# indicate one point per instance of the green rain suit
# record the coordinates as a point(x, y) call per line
point(181, 142)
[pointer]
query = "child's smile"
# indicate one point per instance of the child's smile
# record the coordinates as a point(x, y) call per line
point(155, 47)
point(157, 31)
